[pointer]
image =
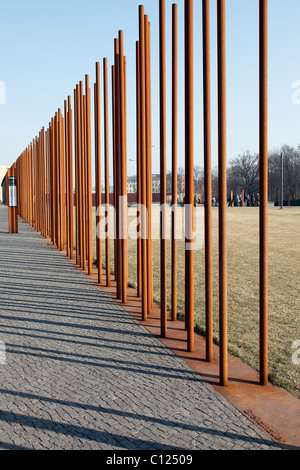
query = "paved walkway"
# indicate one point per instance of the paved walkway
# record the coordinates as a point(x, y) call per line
point(81, 373)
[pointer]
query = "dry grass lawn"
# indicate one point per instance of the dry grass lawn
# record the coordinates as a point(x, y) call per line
point(243, 287)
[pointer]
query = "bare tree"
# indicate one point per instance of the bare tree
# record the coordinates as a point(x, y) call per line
point(243, 174)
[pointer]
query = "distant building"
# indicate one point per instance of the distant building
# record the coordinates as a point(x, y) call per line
point(3, 170)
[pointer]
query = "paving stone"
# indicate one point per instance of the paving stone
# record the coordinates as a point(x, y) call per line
point(81, 373)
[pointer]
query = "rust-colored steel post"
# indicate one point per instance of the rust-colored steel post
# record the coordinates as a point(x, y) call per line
point(57, 169)
point(143, 163)
point(49, 183)
point(82, 182)
point(174, 156)
point(30, 183)
point(207, 179)
point(86, 180)
point(113, 77)
point(222, 192)
point(89, 175)
point(96, 173)
point(189, 175)
point(118, 192)
point(163, 181)
point(98, 170)
point(105, 92)
point(124, 241)
point(263, 192)
point(66, 122)
point(62, 181)
point(138, 171)
point(77, 170)
point(53, 183)
point(148, 162)
point(71, 184)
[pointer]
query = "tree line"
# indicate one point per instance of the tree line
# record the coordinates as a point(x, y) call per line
point(243, 174)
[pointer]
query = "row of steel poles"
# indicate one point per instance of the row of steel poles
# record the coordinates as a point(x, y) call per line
point(46, 197)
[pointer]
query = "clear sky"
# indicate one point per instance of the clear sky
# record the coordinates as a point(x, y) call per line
point(48, 47)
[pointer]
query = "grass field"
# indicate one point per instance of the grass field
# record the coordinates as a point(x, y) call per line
point(243, 287)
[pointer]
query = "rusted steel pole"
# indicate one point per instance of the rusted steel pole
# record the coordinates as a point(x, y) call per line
point(57, 171)
point(77, 169)
point(105, 93)
point(67, 175)
point(263, 191)
point(46, 183)
point(71, 183)
point(163, 181)
point(89, 175)
point(189, 174)
point(118, 192)
point(143, 163)
point(138, 171)
point(149, 161)
point(62, 181)
point(148, 157)
point(98, 170)
point(80, 178)
point(49, 182)
point(53, 183)
point(123, 167)
point(85, 180)
point(222, 192)
point(82, 182)
point(207, 179)
point(174, 156)
point(113, 75)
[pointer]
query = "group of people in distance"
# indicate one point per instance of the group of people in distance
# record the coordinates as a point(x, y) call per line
point(234, 200)
point(251, 200)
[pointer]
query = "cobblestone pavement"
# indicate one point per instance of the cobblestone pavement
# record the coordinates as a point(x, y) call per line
point(80, 373)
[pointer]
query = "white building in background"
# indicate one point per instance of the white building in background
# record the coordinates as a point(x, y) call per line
point(3, 170)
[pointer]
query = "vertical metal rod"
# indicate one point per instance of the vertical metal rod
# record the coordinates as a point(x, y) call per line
point(263, 192)
point(98, 170)
point(67, 176)
point(89, 175)
point(118, 168)
point(83, 179)
point(113, 74)
point(62, 181)
point(207, 179)
point(57, 209)
point(105, 92)
point(138, 171)
point(222, 192)
point(52, 184)
point(148, 161)
point(143, 163)
point(71, 185)
point(174, 155)
point(281, 177)
point(123, 167)
point(189, 175)
point(163, 197)
point(77, 169)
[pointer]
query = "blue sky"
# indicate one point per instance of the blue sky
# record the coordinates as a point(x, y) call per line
point(48, 47)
